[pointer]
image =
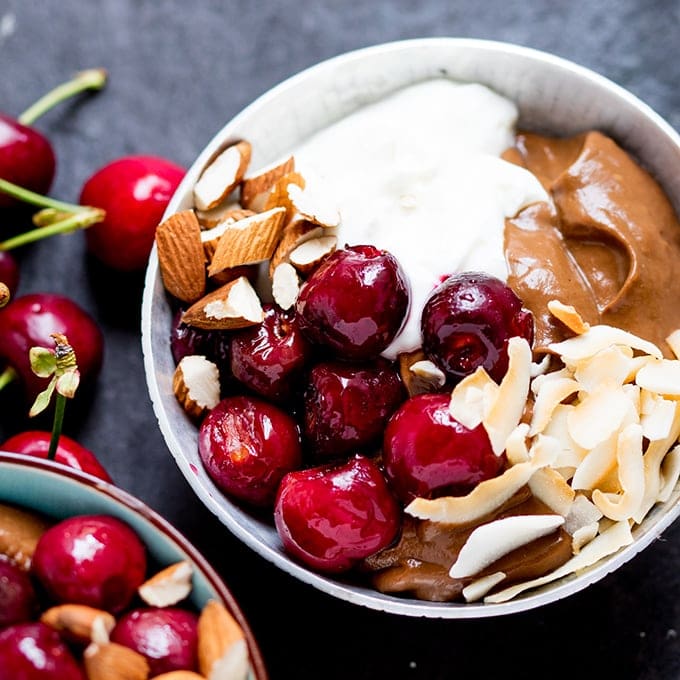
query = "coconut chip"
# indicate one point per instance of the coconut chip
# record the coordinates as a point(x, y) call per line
point(662, 377)
point(479, 588)
point(568, 315)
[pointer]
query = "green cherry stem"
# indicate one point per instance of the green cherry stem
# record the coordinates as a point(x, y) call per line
point(6, 377)
point(91, 79)
point(57, 423)
point(37, 199)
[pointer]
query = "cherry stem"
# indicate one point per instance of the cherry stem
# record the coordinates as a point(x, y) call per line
point(39, 200)
point(59, 408)
point(81, 220)
point(91, 79)
point(7, 376)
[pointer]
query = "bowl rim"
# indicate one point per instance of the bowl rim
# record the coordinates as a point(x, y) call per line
point(137, 506)
point(355, 594)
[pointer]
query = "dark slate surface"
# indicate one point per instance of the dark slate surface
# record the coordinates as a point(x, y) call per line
point(179, 70)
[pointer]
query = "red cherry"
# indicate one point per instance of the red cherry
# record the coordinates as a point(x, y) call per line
point(247, 445)
point(347, 406)
point(34, 651)
point(9, 271)
point(331, 517)
point(96, 560)
point(69, 451)
point(17, 596)
point(26, 158)
point(29, 321)
point(134, 191)
point(355, 302)
point(166, 637)
point(427, 453)
point(468, 321)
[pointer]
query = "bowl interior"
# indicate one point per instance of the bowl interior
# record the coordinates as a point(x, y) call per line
point(553, 96)
point(51, 489)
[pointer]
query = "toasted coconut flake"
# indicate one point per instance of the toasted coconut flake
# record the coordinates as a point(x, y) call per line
point(222, 176)
point(169, 586)
point(234, 305)
point(516, 449)
point(656, 415)
point(427, 375)
point(568, 315)
point(673, 341)
point(549, 396)
point(255, 187)
point(489, 542)
point(631, 477)
point(285, 285)
point(541, 367)
point(598, 338)
point(479, 588)
point(583, 536)
point(482, 500)
point(313, 206)
point(598, 416)
point(571, 454)
point(596, 465)
point(549, 487)
point(472, 397)
point(607, 543)
point(670, 472)
point(309, 255)
point(662, 377)
point(582, 513)
point(609, 366)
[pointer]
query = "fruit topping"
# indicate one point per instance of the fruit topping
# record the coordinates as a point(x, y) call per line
point(18, 601)
point(427, 453)
point(355, 302)
point(247, 445)
point(187, 340)
point(346, 407)
point(468, 321)
point(95, 560)
point(333, 516)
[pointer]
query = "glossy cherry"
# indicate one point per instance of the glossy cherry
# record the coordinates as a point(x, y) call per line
point(428, 453)
point(28, 321)
point(134, 191)
point(17, 596)
point(34, 651)
point(346, 406)
point(166, 637)
point(247, 445)
point(9, 271)
point(468, 321)
point(69, 451)
point(269, 358)
point(26, 158)
point(333, 516)
point(355, 302)
point(96, 560)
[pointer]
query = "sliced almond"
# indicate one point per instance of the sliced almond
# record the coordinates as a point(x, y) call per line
point(285, 285)
point(211, 237)
point(223, 174)
point(222, 650)
point(313, 206)
point(196, 384)
point(209, 219)
point(20, 531)
point(294, 234)
point(79, 623)
point(427, 377)
point(308, 256)
point(112, 661)
point(568, 315)
point(255, 188)
point(234, 305)
point(180, 256)
point(248, 241)
point(168, 587)
point(226, 275)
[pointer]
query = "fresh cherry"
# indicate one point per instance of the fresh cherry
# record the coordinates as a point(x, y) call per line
point(428, 453)
point(269, 358)
point(187, 340)
point(468, 321)
point(69, 451)
point(9, 271)
point(96, 560)
point(30, 320)
point(166, 637)
point(134, 191)
point(34, 651)
point(247, 445)
point(346, 406)
point(355, 302)
point(333, 516)
point(17, 596)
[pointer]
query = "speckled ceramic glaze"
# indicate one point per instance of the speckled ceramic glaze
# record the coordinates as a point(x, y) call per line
point(553, 95)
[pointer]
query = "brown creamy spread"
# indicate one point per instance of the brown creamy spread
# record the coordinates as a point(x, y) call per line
point(419, 564)
point(609, 247)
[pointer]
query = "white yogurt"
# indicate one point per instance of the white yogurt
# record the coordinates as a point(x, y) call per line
point(419, 174)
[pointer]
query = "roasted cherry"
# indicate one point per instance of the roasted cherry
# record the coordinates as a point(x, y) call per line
point(96, 560)
point(186, 340)
point(269, 358)
point(333, 516)
point(468, 321)
point(355, 302)
point(247, 445)
point(69, 451)
point(34, 651)
point(17, 596)
point(166, 637)
point(428, 453)
point(346, 406)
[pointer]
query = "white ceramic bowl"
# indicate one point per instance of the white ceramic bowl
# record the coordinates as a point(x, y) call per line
point(553, 95)
point(59, 492)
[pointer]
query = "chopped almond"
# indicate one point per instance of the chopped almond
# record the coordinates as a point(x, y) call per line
point(222, 175)
point(169, 586)
point(222, 650)
point(308, 256)
point(254, 189)
point(285, 285)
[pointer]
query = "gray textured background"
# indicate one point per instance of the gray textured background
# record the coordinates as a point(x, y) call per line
point(178, 71)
